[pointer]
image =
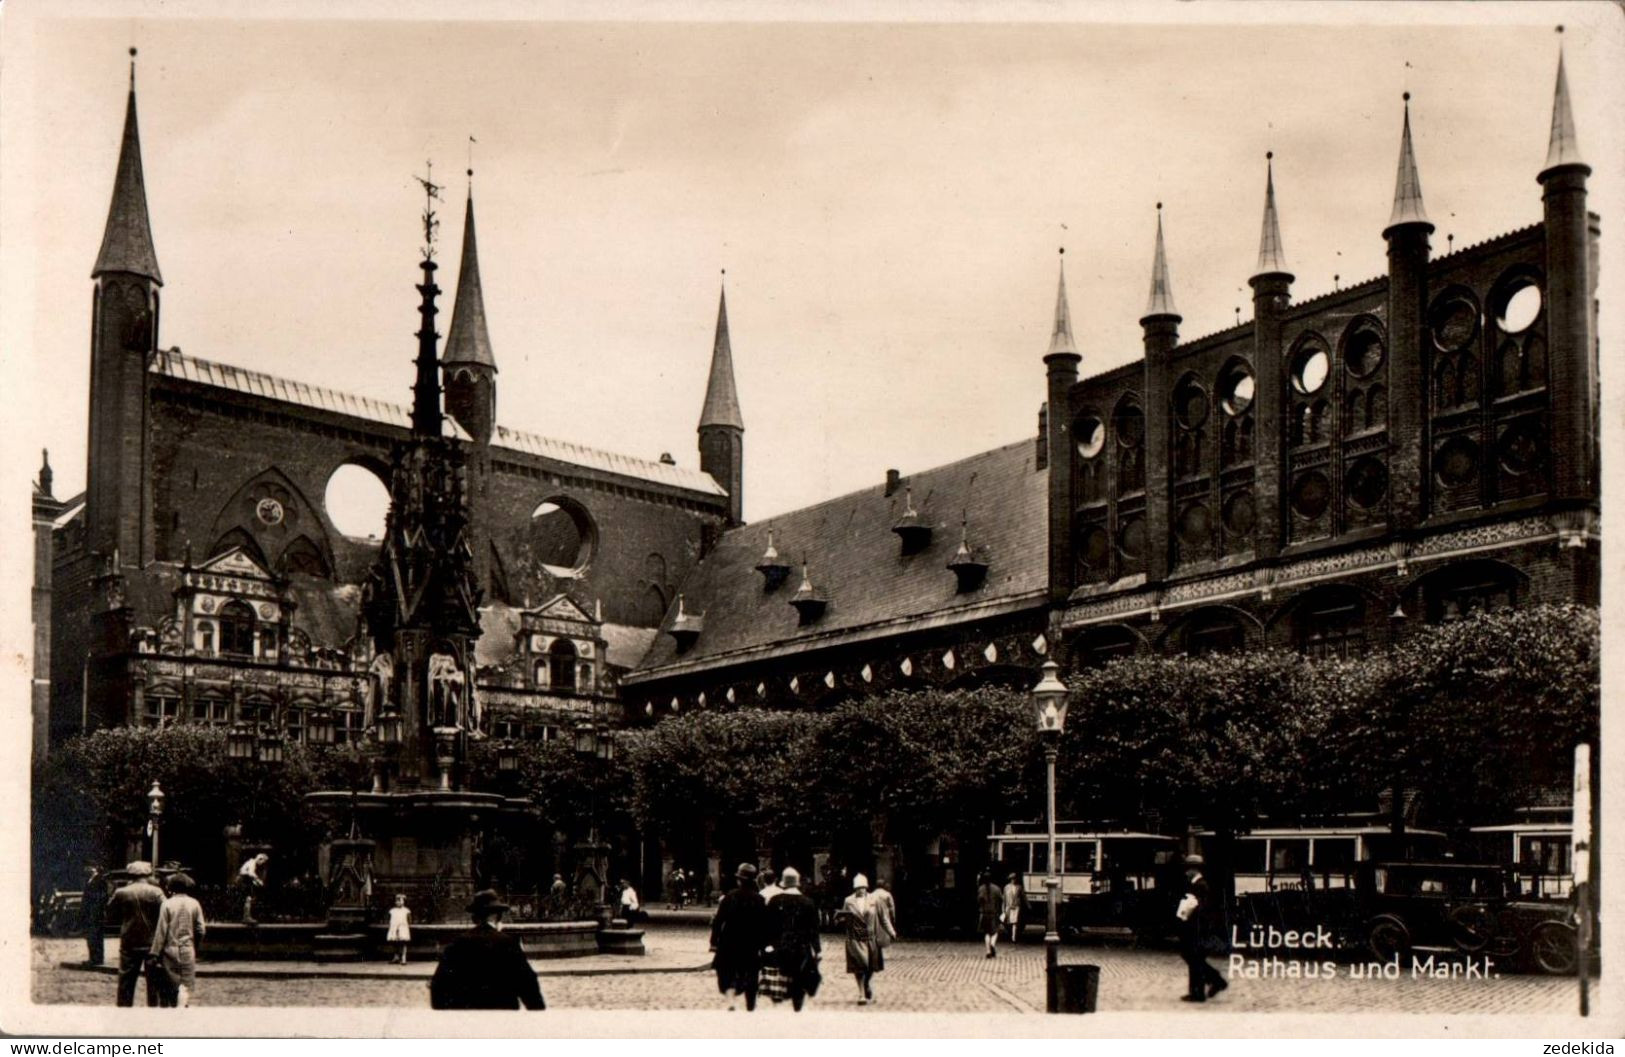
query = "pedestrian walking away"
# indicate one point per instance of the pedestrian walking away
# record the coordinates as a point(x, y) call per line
point(885, 912)
point(1194, 915)
point(135, 907)
point(768, 880)
point(93, 914)
point(175, 941)
point(1012, 905)
point(796, 948)
point(400, 927)
point(862, 924)
point(250, 879)
point(989, 912)
point(485, 968)
point(738, 934)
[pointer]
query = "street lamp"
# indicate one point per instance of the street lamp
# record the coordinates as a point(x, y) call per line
point(507, 757)
point(240, 742)
point(155, 815)
point(1049, 702)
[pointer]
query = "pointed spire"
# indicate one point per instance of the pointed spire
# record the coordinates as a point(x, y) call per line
point(1564, 148)
point(1271, 258)
point(469, 341)
point(45, 475)
point(1408, 185)
point(1060, 342)
point(721, 398)
point(127, 240)
point(1161, 302)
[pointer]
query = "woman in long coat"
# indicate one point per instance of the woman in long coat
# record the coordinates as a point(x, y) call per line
point(738, 934)
point(174, 941)
point(862, 923)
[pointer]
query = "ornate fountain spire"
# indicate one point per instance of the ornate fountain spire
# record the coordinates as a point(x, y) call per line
point(426, 390)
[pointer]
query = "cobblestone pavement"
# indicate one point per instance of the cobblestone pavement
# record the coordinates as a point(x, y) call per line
point(931, 976)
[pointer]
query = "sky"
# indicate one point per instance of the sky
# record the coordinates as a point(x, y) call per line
point(887, 198)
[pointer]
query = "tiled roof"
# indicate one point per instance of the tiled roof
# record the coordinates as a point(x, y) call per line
point(593, 458)
point(173, 364)
point(856, 562)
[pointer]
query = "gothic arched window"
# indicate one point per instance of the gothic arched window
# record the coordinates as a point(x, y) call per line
point(561, 665)
point(237, 629)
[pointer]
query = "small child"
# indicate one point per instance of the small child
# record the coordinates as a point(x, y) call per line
point(400, 928)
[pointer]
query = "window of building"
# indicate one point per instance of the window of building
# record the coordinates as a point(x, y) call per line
point(295, 722)
point(561, 665)
point(1106, 644)
point(259, 711)
point(347, 726)
point(205, 637)
point(160, 708)
point(237, 629)
point(1214, 632)
point(584, 677)
point(1332, 626)
point(211, 710)
point(270, 637)
point(1458, 594)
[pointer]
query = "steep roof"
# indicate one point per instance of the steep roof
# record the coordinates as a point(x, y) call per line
point(721, 398)
point(857, 565)
point(1564, 145)
point(173, 364)
point(1161, 301)
point(127, 239)
point(1408, 182)
point(469, 341)
point(1271, 257)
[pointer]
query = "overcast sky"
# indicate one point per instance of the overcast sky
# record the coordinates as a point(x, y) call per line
point(887, 200)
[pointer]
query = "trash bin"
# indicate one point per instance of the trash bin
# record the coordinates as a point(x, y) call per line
point(1076, 988)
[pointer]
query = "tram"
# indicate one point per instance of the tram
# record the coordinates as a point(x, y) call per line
point(1112, 882)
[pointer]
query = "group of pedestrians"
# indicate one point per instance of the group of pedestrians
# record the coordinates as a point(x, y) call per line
point(159, 930)
point(765, 938)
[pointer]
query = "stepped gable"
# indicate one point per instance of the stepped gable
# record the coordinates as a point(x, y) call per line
point(173, 364)
point(855, 560)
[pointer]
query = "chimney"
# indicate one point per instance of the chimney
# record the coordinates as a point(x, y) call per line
point(894, 481)
point(666, 459)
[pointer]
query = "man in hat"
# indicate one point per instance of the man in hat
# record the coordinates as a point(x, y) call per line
point(93, 913)
point(135, 907)
point(485, 968)
point(1192, 912)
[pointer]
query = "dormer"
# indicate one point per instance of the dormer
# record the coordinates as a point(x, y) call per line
point(968, 564)
point(911, 528)
point(686, 627)
point(807, 601)
point(774, 571)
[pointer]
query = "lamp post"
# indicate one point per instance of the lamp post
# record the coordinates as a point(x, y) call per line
point(1049, 702)
point(155, 816)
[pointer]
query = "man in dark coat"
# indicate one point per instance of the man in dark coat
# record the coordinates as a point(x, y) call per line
point(485, 968)
point(93, 914)
point(135, 907)
point(793, 929)
point(1193, 913)
point(738, 934)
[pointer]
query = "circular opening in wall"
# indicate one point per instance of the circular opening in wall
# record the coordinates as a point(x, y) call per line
point(1520, 449)
point(1520, 308)
point(1311, 494)
point(561, 537)
point(1364, 353)
point(1091, 434)
point(1195, 526)
point(357, 501)
point(1367, 483)
point(1131, 538)
point(1236, 391)
point(1456, 462)
point(1239, 513)
point(1309, 370)
point(1190, 404)
point(1454, 325)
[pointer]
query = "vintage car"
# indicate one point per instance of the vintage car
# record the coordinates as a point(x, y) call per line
point(1395, 908)
point(1467, 907)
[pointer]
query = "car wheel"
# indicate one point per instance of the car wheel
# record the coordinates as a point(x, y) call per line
point(1552, 947)
point(1387, 938)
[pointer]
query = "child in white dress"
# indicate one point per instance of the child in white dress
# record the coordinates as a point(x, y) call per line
point(400, 928)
